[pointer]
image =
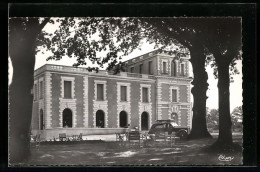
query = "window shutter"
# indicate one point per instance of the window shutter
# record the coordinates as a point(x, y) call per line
point(182, 69)
point(164, 67)
point(67, 89)
point(100, 92)
point(123, 93)
point(141, 68)
point(150, 67)
point(174, 95)
point(145, 94)
point(132, 69)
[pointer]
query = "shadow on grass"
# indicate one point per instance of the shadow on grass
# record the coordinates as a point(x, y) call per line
point(194, 152)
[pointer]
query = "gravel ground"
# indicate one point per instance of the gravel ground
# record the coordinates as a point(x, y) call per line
point(104, 151)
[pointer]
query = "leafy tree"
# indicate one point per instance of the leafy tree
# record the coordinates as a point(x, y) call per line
point(213, 119)
point(236, 117)
point(220, 37)
point(225, 44)
point(22, 44)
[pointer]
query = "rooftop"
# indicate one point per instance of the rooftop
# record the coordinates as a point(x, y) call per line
point(81, 70)
point(151, 54)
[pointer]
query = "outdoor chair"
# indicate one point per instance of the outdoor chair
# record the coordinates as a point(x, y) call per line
point(79, 138)
point(164, 139)
point(74, 137)
point(62, 137)
point(133, 137)
point(120, 137)
point(36, 140)
point(144, 136)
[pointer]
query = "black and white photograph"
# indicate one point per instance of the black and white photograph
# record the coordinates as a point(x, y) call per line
point(125, 91)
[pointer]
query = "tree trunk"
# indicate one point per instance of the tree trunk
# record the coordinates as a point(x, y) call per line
point(225, 134)
point(22, 54)
point(199, 90)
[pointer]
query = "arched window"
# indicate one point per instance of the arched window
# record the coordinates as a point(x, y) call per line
point(41, 120)
point(100, 119)
point(144, 121)
point(173, 68)
point(67, 118)
point(123, 119)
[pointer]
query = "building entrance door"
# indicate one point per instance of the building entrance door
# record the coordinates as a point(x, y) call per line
point(123, 119)
point(100, 119)
point(144, 121)
point(67, 118)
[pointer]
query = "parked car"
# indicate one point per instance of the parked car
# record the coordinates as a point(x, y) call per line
point(169, 126)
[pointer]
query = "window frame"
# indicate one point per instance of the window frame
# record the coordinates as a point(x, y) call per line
point(72, 79)
point(166, 66)
point(147, 95)
point(150, 64)
point(174, 68)
point(127, 85)
point(177, 94)
point(148, 86)
point(96, 82)
point(132, 69)
point(174, 98)
point(123, 86)
point(100, 95)
point(182, 69)
point(141, 68)
point(69, 96)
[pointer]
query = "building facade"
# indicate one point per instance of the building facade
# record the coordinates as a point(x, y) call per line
point(72, 100)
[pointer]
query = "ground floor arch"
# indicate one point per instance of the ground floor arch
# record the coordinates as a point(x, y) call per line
point(100, 119)
point(123, 119)
point(144, 121)
point(67, 118)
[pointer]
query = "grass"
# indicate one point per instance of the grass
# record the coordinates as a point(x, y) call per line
point(114, 154)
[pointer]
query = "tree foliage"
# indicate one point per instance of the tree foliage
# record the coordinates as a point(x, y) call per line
point(88, 39)
point(225, 42)
point(237, 118)
point(212, 119)
point(22, 43)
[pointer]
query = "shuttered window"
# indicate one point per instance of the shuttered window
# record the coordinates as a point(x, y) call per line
point(67, 89)
point(141, 68)
point(182, 69)
point(100, 91)
point(132, 69)
point(174, 95)
point(145, 94)
point(164, 67)
point(123, 94)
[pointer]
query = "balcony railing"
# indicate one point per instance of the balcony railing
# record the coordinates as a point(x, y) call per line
point(84, 70)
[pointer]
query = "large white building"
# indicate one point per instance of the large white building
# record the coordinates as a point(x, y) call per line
point(73, 100)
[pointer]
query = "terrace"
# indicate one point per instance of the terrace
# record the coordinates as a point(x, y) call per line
point(79, 70)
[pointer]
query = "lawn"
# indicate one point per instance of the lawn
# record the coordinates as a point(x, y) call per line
point(111, 153)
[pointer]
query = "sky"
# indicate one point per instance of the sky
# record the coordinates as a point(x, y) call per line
point(212, 93)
